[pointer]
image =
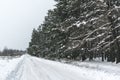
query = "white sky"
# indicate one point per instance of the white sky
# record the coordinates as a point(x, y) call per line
point(17, 20)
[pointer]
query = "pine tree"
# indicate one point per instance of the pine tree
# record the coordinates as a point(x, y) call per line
point(79, 29)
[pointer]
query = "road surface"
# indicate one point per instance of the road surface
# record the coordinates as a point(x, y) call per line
point(32, 68)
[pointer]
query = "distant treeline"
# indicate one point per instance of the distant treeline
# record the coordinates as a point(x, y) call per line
point(11, 52)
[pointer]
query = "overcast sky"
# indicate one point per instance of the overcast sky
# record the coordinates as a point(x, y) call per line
point(17, 20)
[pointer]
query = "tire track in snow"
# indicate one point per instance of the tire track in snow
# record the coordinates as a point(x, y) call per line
point(59, 73)
point(32, 68)
point(13, 74)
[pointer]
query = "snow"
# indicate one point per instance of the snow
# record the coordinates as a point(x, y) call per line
point(7, 65)
point(78, 23)
point(116, 6)
point(105, 67)
point(102, 0)
point(94, 19)
point(32, 68)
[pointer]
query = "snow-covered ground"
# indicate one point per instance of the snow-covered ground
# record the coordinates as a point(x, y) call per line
point(32, 68)
point(8, 65)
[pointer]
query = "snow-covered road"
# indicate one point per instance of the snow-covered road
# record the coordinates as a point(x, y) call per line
point(32, 68)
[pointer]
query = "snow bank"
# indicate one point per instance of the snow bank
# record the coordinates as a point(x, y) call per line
point(6, 66)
